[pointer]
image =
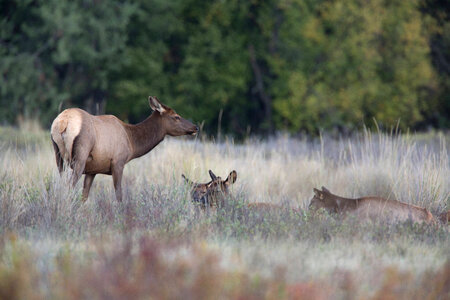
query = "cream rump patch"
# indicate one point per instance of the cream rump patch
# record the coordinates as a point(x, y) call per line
point(64, 130)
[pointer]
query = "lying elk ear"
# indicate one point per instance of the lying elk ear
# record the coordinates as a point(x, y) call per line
point(318, 193)
point(185, 179)
point(155, 104)
point(324, 189)
point(232, 177)
point(213, 177)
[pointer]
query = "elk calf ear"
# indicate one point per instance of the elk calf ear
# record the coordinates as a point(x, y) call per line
point(318, 194)
point(213, 176)
point(155, 104)
point(232, 177)
point(324, 189)
point(185, 179)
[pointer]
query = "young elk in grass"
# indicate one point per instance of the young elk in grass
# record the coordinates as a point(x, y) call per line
point(369, 207)
point(213, 193)
point(103, 144)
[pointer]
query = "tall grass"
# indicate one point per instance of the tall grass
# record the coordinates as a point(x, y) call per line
point(45, 214)
point(282, 170)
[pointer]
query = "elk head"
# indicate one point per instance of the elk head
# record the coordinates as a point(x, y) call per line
point(221, 186)
point(323, 199)
point(172, 122)
point(213, 192)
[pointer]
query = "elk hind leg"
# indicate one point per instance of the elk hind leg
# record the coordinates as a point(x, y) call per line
point(59, 159)
point(88, 179)
point(78, 163)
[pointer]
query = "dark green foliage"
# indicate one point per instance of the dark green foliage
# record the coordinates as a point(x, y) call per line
point(346, 62)
point(58, 53)
point(255, 66)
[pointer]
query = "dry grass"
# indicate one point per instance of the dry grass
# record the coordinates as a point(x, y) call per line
point(154, 268)
point(156, 240)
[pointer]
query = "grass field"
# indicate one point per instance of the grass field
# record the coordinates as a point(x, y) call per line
point(155, 244)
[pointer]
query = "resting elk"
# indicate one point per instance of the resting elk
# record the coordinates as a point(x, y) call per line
point(369, 207)
point(103, 144)
point(211, 194)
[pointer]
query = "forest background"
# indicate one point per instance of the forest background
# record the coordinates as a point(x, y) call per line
point(244, 67)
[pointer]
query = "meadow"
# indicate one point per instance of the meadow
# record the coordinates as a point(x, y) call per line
point(156, 244)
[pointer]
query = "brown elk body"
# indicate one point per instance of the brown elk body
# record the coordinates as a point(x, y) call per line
point(213, 193)
point(104, 144)
point(369, 207)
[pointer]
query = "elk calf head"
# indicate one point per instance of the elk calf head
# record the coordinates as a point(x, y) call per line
point(212, 193)
point(323, 199)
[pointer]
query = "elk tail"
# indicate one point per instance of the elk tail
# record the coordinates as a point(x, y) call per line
point(65, 129)
point(58, 130)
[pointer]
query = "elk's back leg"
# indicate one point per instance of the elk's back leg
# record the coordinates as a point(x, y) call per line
point(59, 159)
point(80, 154)
point(88, 179)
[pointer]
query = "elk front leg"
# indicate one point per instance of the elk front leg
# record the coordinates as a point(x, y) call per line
point(117, 171)
point(88, 179)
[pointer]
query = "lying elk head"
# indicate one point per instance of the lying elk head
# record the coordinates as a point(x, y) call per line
point(322, 199)
point(211, 193)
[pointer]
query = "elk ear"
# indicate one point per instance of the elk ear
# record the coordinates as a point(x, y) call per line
point(155, 104)
point(185, 179)
point(324, 189)
point(213, 177)
point(318, 194)
point(232, 177)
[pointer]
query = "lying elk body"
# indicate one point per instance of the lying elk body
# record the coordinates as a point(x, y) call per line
point(369, 207)
point(103, 144)
point(213, 193)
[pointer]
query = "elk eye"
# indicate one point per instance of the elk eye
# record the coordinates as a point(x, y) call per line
point(177, 118)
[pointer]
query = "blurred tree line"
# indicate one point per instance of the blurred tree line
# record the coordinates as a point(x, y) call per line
point(255, 66)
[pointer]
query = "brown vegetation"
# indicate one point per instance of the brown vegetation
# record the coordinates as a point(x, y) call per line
point(146, 270)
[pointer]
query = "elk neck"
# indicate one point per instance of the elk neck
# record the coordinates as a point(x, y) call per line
point(344, 203)
point(146, 135)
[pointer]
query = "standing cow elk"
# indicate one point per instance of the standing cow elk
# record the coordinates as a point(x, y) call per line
point(213, 193)
point(103, 144)
point(369, 207)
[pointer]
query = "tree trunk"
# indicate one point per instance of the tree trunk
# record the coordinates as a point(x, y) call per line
point(265, 98)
